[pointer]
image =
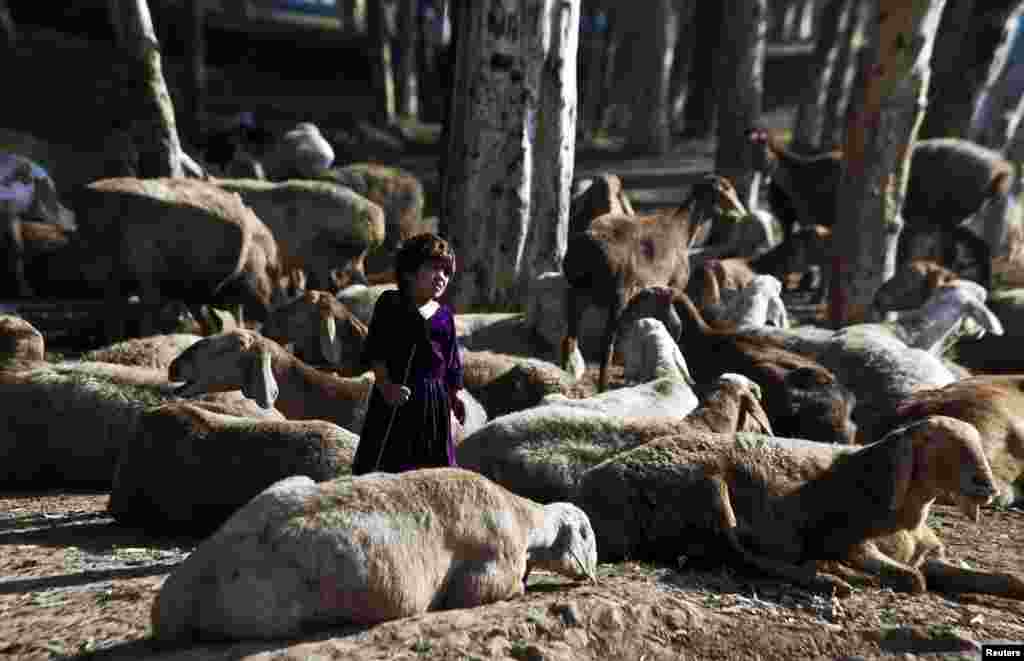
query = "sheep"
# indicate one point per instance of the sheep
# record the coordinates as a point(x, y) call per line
point(505, 383)
point(360, 299)
point(620, 254)
point(502, 332)
point(758, 303)
point(155, 351)
point(365, 550)
point(993, 404)
point(546, 311)
point(64, 424)
point(322, 227)
point(802, 397)
point(183, 443)
point(595, 196)
point(541, 452)
point(321, 329)
point(301, 153)
point(782, 506)
point(266, 372)
point(950, 180)
point(24, 245)
point(652, 353)
point(911, 285)
point(20, 340)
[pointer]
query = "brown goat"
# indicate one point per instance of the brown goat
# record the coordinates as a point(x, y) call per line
point(620, 254)
point(802, 398)
point(950, 179)
point(995, 406)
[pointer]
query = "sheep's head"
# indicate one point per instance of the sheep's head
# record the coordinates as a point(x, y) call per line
point(815, 406)
point(752, 415)
point(573, 552)
point(321, 328)
point(912, 284)
point(656, 303)
point(941, 455)
point(651, 353)
point(240, 359)
point(970, 297)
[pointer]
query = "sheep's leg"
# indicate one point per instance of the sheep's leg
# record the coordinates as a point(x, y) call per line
point(946, 577)
point(902, 578)
point(726, 519)
point(573, 310)
point(482, 581)
point(608, 344)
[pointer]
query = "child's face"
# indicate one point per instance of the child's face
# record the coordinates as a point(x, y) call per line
point(430, 281)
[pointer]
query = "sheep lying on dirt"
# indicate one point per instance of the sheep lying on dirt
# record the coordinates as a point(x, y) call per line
point(651, 353)
point(995, 406)
point(780, 505)
point(266, 372)
point(320, 329)
point(155, 351)
point(182, 443)
point(504, 383)
point(366, 550)
point(20, 340)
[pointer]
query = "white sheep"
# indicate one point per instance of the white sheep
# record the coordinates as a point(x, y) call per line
point(266, 372)
point(780, 506)
point(181, 442)
point(366, 550)
point(759, 303)
point(301, 153)
point(650, 353)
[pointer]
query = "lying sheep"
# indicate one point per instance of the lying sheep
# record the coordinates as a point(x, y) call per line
point(506, 383)
point(181, 443)
point(155, 351)
point(20, 340)
point(779, 506)
point(994, 405)
point(757, 303)
point(652, 353)
point(360, 299)
point(266, 372)
point(301, 153)
point(729, 404)
point(802, 398)
point(366, 550)
point(911, 285)
point(320, 329)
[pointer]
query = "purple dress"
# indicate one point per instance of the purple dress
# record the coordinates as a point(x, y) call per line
point(421, 435)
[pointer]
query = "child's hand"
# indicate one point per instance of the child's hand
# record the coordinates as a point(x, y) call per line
point(395, 394)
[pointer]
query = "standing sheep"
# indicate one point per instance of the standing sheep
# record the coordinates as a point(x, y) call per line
point(781, 506)
point(366, 550)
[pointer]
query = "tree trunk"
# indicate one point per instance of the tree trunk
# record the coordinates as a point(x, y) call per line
point(652, 33)
point(195, 88)
point(994, 121)
point(379, 33)
point(679, 85)
point(833, 25)
point(1011, 214)
point(702, 99)
point(8, 32)
point(842, 84)
point(508, 58)
point(407, 45)
point(964, 53)
point(879, 135)
point(155, 128)
point(741, 81)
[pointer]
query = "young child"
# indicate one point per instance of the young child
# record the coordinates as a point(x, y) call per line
point(412, 350)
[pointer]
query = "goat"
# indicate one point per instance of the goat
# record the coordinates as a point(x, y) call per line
point(599, 195)
point(387, 547)
point(618, 255)
point(266, 372)
point(802, 398)
point(950, 180)
point(782, 506)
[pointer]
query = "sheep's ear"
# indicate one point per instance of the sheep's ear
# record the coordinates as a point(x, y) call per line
point(902, 451)
point(985, 318)
point(777, 312)
point(260, 383)
point(751, 408)
point(330, 344)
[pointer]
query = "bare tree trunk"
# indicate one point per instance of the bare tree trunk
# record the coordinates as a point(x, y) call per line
point(8, 32)
point(499, 121)
point(608, 71)
point(155, 128)
point(380, 30)
point(994, 120)
point(703, 97)
point(195, 88)
point(840, 89)
point(964, 53)
point(741, 81)
point(810, 117)
point(879, 136)
point(408, 70)
point(652, 34)
point(679, 85)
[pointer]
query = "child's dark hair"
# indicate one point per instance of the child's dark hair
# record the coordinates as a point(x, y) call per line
point(420, 249)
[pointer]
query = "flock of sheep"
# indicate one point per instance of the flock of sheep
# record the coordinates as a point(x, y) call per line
point(808, 454)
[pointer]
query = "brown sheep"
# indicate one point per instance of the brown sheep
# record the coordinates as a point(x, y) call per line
point(619, 254)
point(20, 340)
point(803, 399)
point(597, 196)
point(321, 330)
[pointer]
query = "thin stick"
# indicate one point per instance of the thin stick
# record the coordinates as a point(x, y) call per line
point(394, 411)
